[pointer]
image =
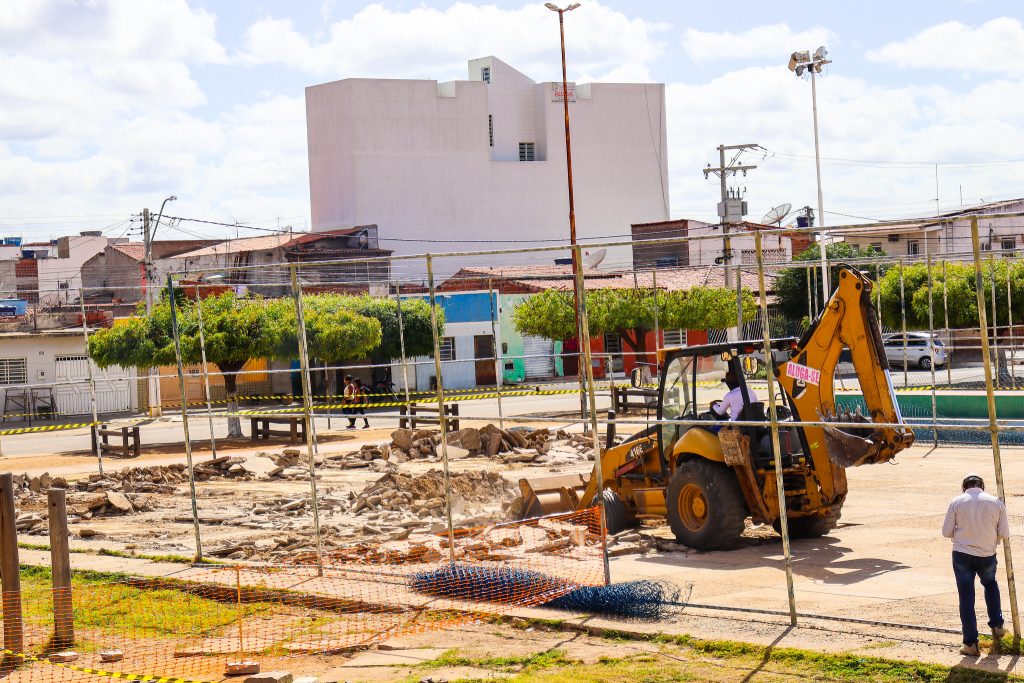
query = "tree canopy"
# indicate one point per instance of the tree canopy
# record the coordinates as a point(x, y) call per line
point(958, 285)
point(630, 313)
point(791, 285)
point(235, 331)
point(419, 339)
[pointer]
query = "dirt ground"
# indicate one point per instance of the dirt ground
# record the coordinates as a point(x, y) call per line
point(886, 561)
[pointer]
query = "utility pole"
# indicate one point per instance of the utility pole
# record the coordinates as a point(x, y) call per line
point(153, 379)
point(723, 171)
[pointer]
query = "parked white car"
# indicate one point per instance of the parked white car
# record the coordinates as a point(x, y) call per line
point(921, 348)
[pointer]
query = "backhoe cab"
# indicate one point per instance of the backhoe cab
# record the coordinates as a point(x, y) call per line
point(707, 476)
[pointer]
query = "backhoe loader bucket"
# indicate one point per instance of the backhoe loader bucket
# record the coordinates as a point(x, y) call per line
point(551, 495)
point(858, 445)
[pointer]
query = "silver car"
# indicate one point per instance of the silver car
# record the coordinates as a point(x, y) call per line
point(921, 350)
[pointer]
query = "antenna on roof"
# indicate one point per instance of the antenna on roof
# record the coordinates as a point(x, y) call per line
point(594, 260)
point(777, 215)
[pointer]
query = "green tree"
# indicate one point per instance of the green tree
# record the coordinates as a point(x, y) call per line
point(791, 285)
point(236, 330)
point(629, 313)
point(419, 338)
point(959, 286)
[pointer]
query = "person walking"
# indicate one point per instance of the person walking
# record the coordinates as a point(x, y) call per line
point(976, 522)
point(348, 400)
point(362, 398)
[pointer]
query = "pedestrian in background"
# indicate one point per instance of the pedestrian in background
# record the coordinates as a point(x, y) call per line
point(362, 397)
point(976, 522)
point(348, 400)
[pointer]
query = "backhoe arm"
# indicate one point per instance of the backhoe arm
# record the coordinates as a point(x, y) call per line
point(849, 321)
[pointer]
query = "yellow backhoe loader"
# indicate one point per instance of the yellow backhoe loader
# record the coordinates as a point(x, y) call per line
point(708, 478)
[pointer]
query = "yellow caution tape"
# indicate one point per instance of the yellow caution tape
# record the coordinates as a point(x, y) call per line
point(100, 672)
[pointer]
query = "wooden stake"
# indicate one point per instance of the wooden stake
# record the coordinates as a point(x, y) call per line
point(60, 560)
point(10, 576)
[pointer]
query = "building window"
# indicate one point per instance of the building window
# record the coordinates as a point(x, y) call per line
point(1008, 243)
point(13, 371)
point(447, 349)
point(490, 128)
point(485, 74)
point(913, 247)
point(876, 246)
point(894, 238)
point(673, 338)
point(527, 151)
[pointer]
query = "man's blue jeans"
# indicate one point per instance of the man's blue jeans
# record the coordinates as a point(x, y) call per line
point(965, 568)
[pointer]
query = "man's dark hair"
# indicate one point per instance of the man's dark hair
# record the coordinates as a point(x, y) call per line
point(348, 378)
point(972, 481)
point(731, 380)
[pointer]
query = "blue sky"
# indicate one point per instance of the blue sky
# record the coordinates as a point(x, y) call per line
point(111, 105)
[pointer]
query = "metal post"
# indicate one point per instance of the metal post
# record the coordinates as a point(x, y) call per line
point(495, 309)
point(184, 417)
point(931, 333)
point(10, 577)
point(581, 314)
point(657, 327)
point(995, 318)
point(206, 374)
point(1009, 323)
point(993, 427)
point(810, 294)
point(60, 574)
point(441, 417)
point(945, 322)
point(903, 323)
point(92, 380)
point(307, 411)
point(773, 416)
point(821, 206)
point(401, 343)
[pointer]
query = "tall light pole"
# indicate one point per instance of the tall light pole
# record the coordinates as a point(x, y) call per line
point(798, 63)
point(147, 261)
point(576, 293)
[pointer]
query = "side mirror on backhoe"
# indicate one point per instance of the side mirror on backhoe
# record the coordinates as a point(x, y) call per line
point(636, 377)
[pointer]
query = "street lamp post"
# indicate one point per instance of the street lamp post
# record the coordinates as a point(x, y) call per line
point(147, 260)
point(798, 63)
point(577, 294)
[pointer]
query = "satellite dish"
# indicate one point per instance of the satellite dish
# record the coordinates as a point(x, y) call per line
point(593, 260)
point(777, 215)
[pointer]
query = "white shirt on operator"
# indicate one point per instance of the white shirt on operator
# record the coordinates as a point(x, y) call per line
point(732, 403)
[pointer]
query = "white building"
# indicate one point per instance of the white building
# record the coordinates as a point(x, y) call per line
point(484, 159)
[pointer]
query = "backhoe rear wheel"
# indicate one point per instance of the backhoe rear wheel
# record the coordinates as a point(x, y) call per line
point(814, 526)
point(616, 516)
point(706, 509)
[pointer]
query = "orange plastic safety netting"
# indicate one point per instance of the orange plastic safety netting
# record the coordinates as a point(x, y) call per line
point(192, 625)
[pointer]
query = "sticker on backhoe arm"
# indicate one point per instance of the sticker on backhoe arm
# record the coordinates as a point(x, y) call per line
point(802, 372)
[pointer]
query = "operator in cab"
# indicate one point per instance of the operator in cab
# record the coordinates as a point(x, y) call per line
point(731, 404)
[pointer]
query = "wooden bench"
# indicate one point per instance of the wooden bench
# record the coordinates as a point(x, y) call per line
point(296, 431)
point(413, 415)
point(130, 444)
point(621, 399)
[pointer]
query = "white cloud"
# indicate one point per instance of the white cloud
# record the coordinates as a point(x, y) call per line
point(859, 120)
point(996, 46)
point(773, 41)
point(434, 43)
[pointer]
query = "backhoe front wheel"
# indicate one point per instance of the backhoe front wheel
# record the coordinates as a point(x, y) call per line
point(706, 509)
point(812, 526)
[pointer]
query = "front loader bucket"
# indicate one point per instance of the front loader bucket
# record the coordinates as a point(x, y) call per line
point(859, 444)
point(551, 495)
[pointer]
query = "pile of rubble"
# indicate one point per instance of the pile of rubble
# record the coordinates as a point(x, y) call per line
point(424, 495)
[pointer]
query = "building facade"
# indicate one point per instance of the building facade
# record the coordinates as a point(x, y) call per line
point(440, 165)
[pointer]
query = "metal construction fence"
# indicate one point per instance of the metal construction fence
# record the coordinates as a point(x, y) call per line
point(470, 352)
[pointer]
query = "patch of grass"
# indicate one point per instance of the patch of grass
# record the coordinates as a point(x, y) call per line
point(537, 661)
point(178, 559)
point(110, 602)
